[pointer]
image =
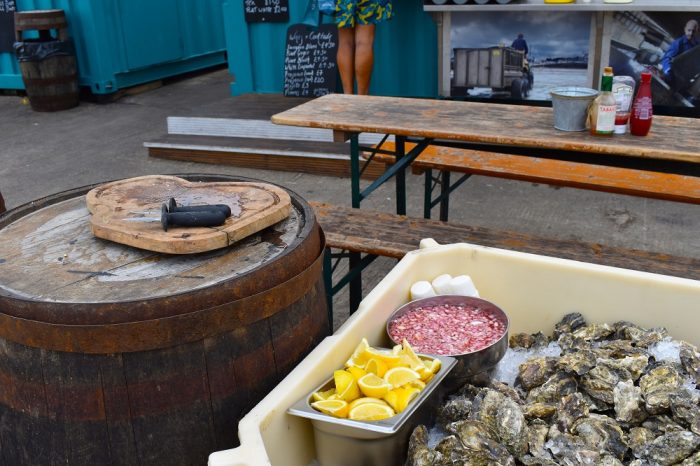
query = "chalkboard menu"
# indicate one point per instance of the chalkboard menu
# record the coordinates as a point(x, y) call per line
point(309, 61)
point(7, 25)
point(265, 11)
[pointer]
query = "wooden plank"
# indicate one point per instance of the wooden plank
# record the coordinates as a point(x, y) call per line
point(118, 207)
point(671, 138)
point(643, 183)
point(394, 235)
point(313, 165)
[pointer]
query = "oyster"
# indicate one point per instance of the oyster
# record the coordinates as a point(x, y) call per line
point(601, 433)
point(505, 419)
point(571, 450)
point(609, 460)
point(569, 323)
point(526, 340)
point(451, 450)
point(506, 390)
point(535, 371)
point(657, 385)
point(638, 439)
point(684, 406)
point(692, 460)
point(539, 410)
point(600, 381)
point(480, 443)
point(593, 332)
point(690, 360)
point(578, 362)
point(572, 407)
point(536, 438)
point(553, 389)
point(567, 342)
point(455, 409)
point(672, 447)
point(419, 454)
point(629, 406)
point(635, 364)
point(662, 424)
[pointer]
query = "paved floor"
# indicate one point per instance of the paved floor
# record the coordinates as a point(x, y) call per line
point(45, 153)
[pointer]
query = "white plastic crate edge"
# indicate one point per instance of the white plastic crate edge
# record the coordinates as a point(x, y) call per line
point(637, 291)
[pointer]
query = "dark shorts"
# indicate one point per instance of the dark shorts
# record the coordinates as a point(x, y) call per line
point(349, 13)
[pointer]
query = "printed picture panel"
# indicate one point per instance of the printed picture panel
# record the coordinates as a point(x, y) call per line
point(518, 55)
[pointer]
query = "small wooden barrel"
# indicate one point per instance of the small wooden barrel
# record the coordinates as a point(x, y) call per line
point(51, 83)
point(115, 355)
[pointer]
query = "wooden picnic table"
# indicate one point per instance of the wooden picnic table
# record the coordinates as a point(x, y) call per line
point(673, 141)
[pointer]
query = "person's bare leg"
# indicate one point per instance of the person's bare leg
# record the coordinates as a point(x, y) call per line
point(346, 58)
point(364, 56)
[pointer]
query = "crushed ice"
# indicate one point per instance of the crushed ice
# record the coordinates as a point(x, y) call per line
point(507, 370)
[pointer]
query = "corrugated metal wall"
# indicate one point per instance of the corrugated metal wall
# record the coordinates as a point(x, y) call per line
point(405, 51)
point(121, 43)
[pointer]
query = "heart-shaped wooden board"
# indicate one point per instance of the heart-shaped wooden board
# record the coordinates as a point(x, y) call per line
point(117, 207)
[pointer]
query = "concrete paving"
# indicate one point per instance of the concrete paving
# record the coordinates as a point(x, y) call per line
point(45, 153)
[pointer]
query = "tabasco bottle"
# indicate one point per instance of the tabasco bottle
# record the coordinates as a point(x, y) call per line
point(604, 107)
point(640, 119)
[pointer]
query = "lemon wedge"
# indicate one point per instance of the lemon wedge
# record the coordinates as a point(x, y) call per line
point(337, 408)
point(371, 412)
point(325, 395)
point(409, 357)
point(376, 367)
point(390, 359)
point(358, 358)
point(345, 385)
point(366, 399)
point(357, 372)
point(374, 386)
point(399, 376)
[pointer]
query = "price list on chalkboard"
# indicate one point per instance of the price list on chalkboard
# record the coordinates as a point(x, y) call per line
point(309, 61)
point(266, 11)
point(7, 25)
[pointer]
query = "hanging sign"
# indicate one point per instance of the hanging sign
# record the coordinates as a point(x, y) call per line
point(266, 11)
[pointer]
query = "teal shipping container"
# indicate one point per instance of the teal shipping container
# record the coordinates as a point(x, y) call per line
point(405, 51)
point(123, 43)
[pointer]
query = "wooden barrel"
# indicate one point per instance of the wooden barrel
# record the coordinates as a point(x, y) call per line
point(51, 83)
point(115, 355)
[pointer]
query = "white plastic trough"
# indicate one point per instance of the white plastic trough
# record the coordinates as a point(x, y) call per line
point(535, 291)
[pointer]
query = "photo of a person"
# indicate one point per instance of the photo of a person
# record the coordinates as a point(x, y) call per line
point(520, 44)
point(356, 20)
point(681, 45)
point(649, 41)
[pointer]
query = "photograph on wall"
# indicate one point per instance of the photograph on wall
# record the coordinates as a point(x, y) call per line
point(518, 55)
point(666, 44)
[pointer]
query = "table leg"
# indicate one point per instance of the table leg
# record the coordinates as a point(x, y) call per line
point(400, 177)
point(444, 195)
point(428, 193)
point(355, 169)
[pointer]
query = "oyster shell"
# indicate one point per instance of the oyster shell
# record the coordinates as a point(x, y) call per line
point(569, 323)
point(455, 409)
point(600, 381)
point(505, 419)
point(535, 371)
point(629, 406)
point(690, 360)
point(539, 410)
point(572, 407)
point(601, 433)
point(568, 342)
point(578, 362)
point(657, 386)
point(662, 424)
point(527, 340)
point(419, 454)
point(684, 406)
point(556, 386)
point(593, 332)
point(571, 450)
point(672, 447)
point(638, 439)
point(692, 460)
point(481, 443)
point(536, 438)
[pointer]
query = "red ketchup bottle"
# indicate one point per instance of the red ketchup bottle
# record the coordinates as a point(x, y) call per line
point(640, 119)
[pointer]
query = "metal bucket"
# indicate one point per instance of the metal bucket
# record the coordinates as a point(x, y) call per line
point(570, 105)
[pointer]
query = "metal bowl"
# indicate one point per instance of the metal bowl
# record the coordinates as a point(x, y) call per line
point(469, 365)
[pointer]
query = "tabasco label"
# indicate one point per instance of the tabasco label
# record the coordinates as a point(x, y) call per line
point(605, 124)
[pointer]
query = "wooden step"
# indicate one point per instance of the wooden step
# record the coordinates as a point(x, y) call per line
point(319, 158)
point(643, 183)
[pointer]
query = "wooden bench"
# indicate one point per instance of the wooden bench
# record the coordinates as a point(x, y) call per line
point(382, 234)
point(631, 181)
